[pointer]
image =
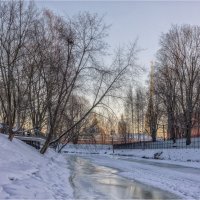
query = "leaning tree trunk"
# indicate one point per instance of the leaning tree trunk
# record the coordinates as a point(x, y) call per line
point(47, 142)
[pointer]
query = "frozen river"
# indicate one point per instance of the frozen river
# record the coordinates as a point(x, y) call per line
point(91, 181)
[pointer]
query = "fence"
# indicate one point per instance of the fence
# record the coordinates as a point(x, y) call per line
point(33, 141)
point(34, 144)
point(160, 144)
point(86, 148)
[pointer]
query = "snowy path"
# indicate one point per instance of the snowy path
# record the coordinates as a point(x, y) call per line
point(91, 181)
point(182, 181)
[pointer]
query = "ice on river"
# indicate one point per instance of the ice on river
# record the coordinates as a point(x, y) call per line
point(92, 181)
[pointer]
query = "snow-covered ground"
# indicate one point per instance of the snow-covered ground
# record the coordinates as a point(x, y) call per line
point(87, 148)
point(182, 155)
point(26, 174)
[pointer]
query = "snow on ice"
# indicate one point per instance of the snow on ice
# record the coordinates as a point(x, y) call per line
point(177, 171)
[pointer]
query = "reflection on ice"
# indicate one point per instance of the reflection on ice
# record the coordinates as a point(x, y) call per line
point(97, 182)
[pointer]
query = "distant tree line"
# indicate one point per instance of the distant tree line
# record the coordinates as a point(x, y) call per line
point(173, 96)
point(134, 110)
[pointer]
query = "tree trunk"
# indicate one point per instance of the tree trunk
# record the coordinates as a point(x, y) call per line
point(171, 127)
point(11, 134)
point(153, 133)
point(189, 126)
point(188, 134)
point(47, 142)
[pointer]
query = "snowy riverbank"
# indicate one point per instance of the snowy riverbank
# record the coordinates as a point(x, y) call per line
point(184, 155)
point(26, 174)
point(180, 155)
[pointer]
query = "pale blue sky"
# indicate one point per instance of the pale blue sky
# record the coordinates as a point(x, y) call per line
point(131, 19)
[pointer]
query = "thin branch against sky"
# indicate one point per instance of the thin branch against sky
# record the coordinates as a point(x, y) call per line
point(131, 19)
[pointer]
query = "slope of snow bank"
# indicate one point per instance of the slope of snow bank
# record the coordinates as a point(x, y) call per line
point(26, 174)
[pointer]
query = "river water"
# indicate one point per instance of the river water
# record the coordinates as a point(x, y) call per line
point(91, 181)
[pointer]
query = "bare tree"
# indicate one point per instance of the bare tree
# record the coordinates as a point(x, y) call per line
point(48, 62)
point(180, 49)
point(154, 107)
point(81, 39)
point(129, 109)
point(109, 82)
point(122, 129)
point(167, 89)
point(139, 108)
point(15, 22)
point(135, 109)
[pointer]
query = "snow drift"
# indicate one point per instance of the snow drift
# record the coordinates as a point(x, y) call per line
point(26, 174)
